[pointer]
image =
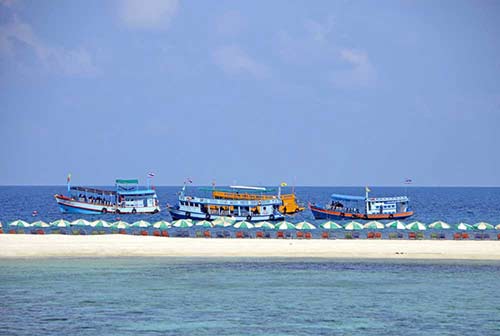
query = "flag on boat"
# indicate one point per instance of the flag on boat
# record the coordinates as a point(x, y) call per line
point(367, 189)
point(68, 179)
point(151, 174)
point(408, 181)
point(283, 184)
point(188, 180)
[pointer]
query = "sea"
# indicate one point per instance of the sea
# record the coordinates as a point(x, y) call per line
point(250, 296)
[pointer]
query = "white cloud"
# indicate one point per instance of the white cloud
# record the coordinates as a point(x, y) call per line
point(233, 60)
point(148, 14)
point(360, 71)
point(68, 61)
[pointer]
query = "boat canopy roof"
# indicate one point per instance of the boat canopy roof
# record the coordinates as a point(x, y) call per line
point(136, 192)
point(347, 197)
point(243, 189)
point(230, 202)
point(93, 191)
point(369, 199)
point(127, 181)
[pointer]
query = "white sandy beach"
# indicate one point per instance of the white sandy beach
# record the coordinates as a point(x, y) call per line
point(39, 246)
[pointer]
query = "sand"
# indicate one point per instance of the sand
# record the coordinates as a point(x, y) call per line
point(41, 246)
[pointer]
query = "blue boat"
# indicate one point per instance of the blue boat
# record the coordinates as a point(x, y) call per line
point(209, 208)
point(127, 198)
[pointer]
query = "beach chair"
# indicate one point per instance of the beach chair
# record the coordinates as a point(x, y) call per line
point(355, 235)
point(280, 234)
point(239, 234)
point(267, 235)
point(457, 236)
point(325, 235)
point(246, 234)
point(227, 234)
point(400, 235)
point(412, 235)
point(348, 235)
point(12, 231)
point(308, 235)
point(420, 235)
point(1, 231)
point(465, 235)
point(370, 235)
point(498, 236)
point(378, 235)
point(486, 236)
point(207, 234)
point(122, 231)
point(442, 236)
point(478, 236)
point(434, 235)
point(198, 234)
point(300, 234)
point(143, 233)
point(288, 235)
point(156, 233)
point(219, 234)
point(259, 234)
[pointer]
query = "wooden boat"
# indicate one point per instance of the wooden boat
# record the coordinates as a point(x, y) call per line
point(289, 205)
point(127, 198)
point(363, 208)
point(208, 208)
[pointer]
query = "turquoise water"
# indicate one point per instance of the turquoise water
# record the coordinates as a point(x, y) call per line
point(168, 296)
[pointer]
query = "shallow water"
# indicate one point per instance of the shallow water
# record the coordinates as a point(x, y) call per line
point(168, 296)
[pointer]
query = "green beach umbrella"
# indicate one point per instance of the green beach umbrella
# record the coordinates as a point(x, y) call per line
point(496, 227)
point(331, 225)
point(353, 226)
point(20, 223)
point(40, 224)
point(120, 225)
point(374, 225)
point(224, 221)
point(61, 223)
point(182, 223)
point(140, 224)
point(439, 225)
point(483, 226)
point(1, 225)
point(264, 225)
point(204, 224)
point(416, 226)
point(243, 225)
point(305, 226)
point(80, 222)
point(465, 227)
point(162, 225)
point(99, 224)
point(284, 225)
point(398, 225)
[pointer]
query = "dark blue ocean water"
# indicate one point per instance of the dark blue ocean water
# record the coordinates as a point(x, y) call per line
point(162, 296)
point(452, 205)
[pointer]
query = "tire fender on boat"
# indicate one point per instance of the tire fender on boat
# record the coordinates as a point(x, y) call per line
point(134, 211)
point(249, 218)
point(188, 214)
point(271, 217)
point(207, 216)
point(104, 210)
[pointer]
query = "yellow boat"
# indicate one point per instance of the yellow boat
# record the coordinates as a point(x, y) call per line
point(289, 206)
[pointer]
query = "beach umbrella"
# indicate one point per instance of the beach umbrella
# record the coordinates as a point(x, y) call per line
point(224, 221)
point(353, 226)
point(243, 225)
point(40, 224)
point(331, 225)
point(120, 225)
point(99, 224)
point(483, 226)
point(204, 224)
point(162, 225)
point(20, 223)
point(398, 225)
point(140, 224)
point(440, 225)
point(182, 223)
point(1, 224)
point(284, 225)
point(416, 226)
point(264, 225)
point(80, 222)
point(465, 227)
point(496, 227)
point(60, 223)
point(374, 225)
point(305, 226)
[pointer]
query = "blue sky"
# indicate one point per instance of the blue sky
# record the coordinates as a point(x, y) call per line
point(253, 92)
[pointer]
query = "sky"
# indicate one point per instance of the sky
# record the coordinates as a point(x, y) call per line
point(316, 93)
